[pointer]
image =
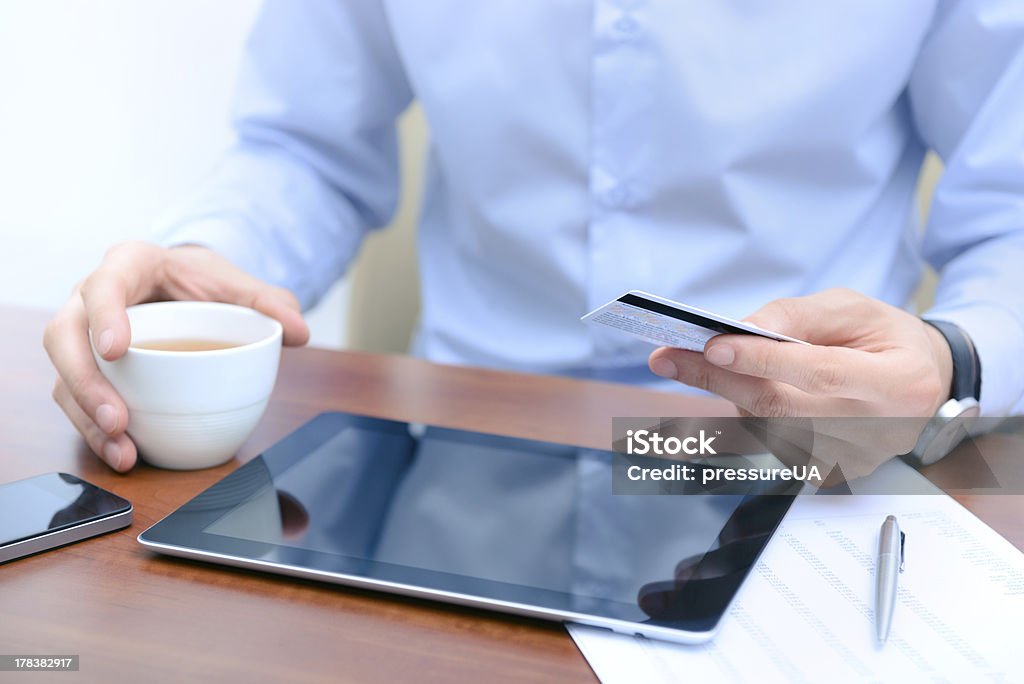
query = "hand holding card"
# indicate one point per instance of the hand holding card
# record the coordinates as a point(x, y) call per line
point(862, 358)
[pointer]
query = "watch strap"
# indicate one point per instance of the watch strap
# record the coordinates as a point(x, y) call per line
point(966, 364)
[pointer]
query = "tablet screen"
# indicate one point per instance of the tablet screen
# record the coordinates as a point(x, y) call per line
point(502, 519)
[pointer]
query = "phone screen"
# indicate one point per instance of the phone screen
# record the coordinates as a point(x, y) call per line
point(51, 502)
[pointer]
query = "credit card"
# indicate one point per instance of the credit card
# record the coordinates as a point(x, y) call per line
point(667, 323)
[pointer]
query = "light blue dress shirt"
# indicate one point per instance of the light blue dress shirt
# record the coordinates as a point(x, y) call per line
point(717, 152)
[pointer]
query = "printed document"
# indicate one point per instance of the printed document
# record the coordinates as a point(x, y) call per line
point(806, 613)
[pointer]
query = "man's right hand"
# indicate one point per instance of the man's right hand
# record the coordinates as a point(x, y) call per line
point(133, 273)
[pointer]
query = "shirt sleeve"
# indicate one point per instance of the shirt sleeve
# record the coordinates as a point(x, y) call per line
point(315, 165)
point(967, 100)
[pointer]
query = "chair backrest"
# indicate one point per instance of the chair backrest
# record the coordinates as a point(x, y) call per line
point(931, 171)
point(384, 299)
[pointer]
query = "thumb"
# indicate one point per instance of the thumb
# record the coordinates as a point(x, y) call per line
point(126, 276)
point(109, 329)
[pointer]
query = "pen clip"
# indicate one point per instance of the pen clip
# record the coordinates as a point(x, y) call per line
point(903, 541)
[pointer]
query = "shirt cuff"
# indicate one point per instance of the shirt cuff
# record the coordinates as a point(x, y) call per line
point(998, 338)
point(223, 236)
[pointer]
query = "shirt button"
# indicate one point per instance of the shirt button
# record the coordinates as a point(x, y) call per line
point(617, 197)
point(625, 26)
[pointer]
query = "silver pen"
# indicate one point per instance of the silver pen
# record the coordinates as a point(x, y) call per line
point(890, 565)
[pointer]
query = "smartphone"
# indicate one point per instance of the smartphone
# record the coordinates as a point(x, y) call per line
point(51, 510)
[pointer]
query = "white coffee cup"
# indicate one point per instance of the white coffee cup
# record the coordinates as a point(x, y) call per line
point(194, 409)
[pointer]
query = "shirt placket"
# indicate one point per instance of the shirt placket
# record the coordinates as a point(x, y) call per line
point(619, 95)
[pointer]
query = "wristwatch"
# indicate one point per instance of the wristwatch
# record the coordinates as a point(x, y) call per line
point(954, 419)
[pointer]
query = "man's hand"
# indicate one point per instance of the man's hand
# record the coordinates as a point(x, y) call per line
point(133, 273)
point(867, 359)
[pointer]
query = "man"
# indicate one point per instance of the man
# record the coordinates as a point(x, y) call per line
point(724, 155)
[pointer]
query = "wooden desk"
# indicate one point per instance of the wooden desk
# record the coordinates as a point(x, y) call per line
point(134, 615)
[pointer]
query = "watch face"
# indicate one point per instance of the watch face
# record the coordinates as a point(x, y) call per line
point(950, 427)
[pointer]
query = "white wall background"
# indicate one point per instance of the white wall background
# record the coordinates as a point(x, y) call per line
point(111, 111)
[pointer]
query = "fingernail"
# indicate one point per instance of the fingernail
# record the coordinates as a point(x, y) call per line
point(112, 455)
point(664, 368)
point(106, 418)
point(106, 342)
point(720, 354)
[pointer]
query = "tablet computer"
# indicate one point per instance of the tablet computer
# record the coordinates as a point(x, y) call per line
point(513, 525)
